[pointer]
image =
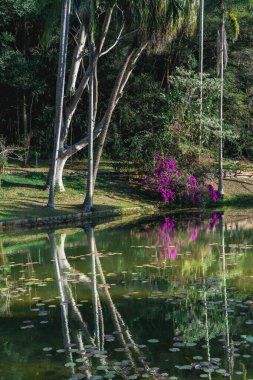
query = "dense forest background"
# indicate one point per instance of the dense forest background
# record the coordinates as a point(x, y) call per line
point(160, 107)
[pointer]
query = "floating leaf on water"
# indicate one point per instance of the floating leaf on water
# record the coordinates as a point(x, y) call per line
point(186, 367)
point(209, 370)
point(220, 370)
point(246, 356)
point(190, 344)
point(60, 351)
point(27, 327)
point(47, 349)
point(70, 365)
point(239, 373)
point(79, 360)
point(175, 349)
point(153, 341)
point(204, 375)
point(197, 357)
point(133, 377)
point(102, 368)
point(110, 375)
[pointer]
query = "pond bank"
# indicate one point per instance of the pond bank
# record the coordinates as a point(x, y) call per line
point(63, 220)
point(23, 198)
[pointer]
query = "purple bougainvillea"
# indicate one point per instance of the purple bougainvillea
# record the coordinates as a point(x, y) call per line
point(174, 184)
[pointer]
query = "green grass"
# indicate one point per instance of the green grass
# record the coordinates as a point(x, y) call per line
point(22, 192)
point(237, 201)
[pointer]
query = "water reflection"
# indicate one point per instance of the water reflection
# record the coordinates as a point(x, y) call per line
point(78, 334)
point(165, 299)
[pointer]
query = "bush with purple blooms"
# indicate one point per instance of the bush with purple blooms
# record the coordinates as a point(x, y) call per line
point(175, 185)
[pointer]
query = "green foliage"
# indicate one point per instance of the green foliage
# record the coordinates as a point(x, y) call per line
point(158, 120)
point(159, 96)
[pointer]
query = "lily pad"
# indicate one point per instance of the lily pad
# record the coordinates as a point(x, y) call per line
point(70, 365)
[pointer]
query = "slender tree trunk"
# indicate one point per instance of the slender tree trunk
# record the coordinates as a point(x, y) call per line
point(30, 115)
point(93, 252)
point(88, 204)
point(115, 96)
point(59, 96)
point(18, 120)
point(222, 46)
point(201, 69)
point(25, 120)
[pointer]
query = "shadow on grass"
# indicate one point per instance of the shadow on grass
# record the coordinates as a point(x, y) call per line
point(113, 185)
point(24, 180)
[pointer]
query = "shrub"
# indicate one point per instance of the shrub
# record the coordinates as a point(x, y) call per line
point(173, 184)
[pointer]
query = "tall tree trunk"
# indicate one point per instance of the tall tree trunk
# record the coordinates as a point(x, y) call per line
point(25, 120)
point(59, 96)
point(18, 120)
point(115, 96)
point(201, 69)
point(222, 48)
point(88, 204)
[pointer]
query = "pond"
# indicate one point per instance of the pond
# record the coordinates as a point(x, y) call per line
point(156, 298)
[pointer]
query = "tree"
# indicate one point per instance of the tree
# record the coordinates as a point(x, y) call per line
point(201, 67)
point(228, 10)
point(147, 26)
point(59, 96)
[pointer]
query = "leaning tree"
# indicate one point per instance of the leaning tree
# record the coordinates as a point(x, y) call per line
point(131, 27)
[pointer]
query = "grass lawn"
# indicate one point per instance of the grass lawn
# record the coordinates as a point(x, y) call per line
point(22, 192)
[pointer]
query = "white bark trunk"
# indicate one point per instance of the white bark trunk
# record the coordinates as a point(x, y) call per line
point(59, 174)
point(202, 14)
point(60, 98)
point(222, 44)
point(88, 204)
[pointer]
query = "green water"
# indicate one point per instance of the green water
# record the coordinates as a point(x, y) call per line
point(161, 298)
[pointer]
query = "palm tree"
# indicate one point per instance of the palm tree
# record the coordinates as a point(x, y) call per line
point(66, 7)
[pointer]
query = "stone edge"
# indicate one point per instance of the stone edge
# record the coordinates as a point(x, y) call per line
point(52, 221)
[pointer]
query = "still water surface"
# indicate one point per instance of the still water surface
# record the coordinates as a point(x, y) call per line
point(167, 298)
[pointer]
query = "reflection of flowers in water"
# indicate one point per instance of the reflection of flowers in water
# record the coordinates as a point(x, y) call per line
point(194, 233)
point(168, 241)
point(215, 218)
